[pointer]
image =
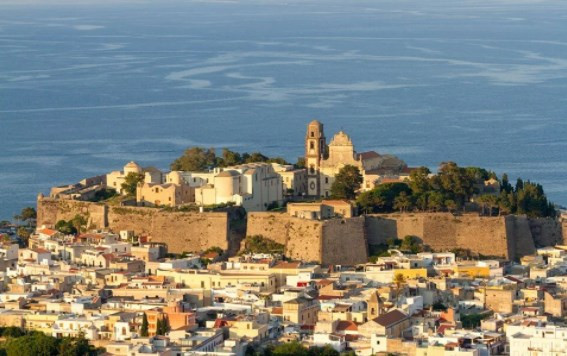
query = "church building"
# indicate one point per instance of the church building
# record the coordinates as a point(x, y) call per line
point(323, 161)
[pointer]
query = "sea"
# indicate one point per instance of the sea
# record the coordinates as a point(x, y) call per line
point(86, 86)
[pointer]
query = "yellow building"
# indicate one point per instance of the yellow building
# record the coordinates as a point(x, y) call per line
point(413, 273)
point(249, 329)
point(301, 311)
point(40, 322)
point(473, 271)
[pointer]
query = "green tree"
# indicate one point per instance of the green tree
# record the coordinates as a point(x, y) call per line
point(65, 227)
point(505, 184)
point(260, 244)
point(75, 347)
point(326, 350)
point(254, 157)
point(131, 183)
point(435, 201)
point(289, 349)
point(346, 183)
point(419, 180)
point(159, 327)
point(79, 223)
point(24, 233)
point(300, 164)
point(32, 344)
point(27, 215)
point(421, 201)
point(4, 224)
point(144, 327)
point(229, 158)
point(451, 205)
point(411, 244)
point(195, 159)
point(402, 202)
point(12, 331)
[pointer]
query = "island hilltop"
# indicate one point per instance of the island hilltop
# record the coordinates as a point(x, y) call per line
point(233, 253)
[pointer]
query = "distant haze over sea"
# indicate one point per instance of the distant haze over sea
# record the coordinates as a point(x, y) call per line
point(86, 88)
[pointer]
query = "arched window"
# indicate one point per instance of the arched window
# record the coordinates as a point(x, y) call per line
point(312, 145)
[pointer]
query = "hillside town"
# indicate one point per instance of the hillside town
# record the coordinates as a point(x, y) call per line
point(132, 297)
point(76, 276)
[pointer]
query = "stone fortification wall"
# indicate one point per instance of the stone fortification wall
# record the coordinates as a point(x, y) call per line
point(335, 241)
point(302, 238)
point(344, 241)
point(441, 231)
point(181, 231)
point(50, 211)
point(504, 236)
point(547, 232)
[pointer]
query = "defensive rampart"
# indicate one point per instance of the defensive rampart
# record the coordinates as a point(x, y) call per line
point(336, 241)
point(181, 231)
point(505, 236)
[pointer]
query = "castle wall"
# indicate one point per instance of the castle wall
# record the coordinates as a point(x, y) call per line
point(301, 238)
point(546, 232)
point(344, 241)
point(504, 236)
point(334, 241)
point(181, 231)
point(50, 211)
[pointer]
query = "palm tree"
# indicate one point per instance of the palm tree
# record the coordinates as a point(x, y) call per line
point(402, 202)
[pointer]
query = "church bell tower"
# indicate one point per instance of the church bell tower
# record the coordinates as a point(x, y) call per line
point(315, 151)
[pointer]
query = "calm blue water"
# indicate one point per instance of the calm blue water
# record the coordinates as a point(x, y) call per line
point(86, 88)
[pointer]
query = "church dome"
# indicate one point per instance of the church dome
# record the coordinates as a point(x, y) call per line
point(132, 167)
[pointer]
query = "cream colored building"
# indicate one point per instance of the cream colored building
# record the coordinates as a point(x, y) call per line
point(294, 181)
point(254, 186)
point(325, 161)
point(175, 191)
point(115, 179)
point(301, 311)
point(197, 279)
point(320, 210)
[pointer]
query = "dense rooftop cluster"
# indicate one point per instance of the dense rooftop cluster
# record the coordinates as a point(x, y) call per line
point(129, 296)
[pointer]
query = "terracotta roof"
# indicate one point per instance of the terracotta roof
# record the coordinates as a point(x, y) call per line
point(108, 256)
point(347, 325)
point(40, 250)
point(49, 232)
point(368, 155)
point(210, 255)
point(441, 329)
point(391, 318)
point(277, 310)
point(324, 282)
